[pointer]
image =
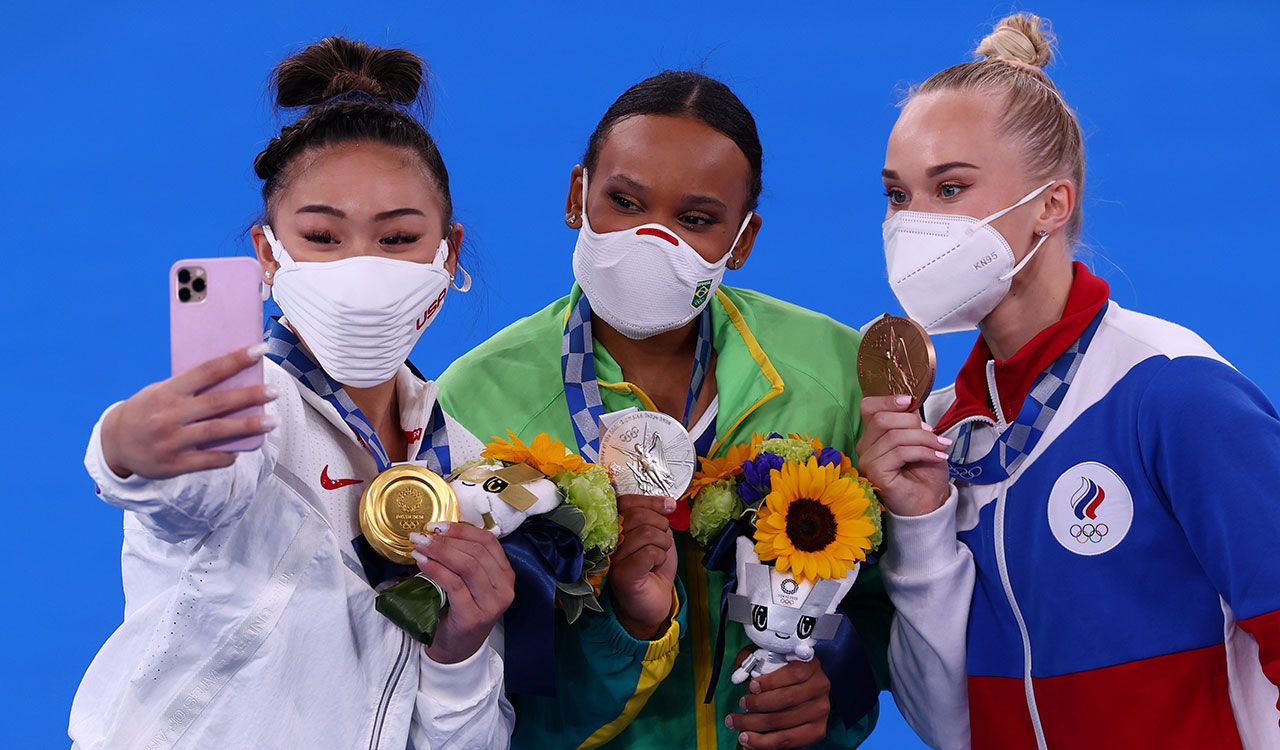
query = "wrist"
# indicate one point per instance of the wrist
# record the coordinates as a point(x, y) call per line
point(639, 626)
point(108, 439)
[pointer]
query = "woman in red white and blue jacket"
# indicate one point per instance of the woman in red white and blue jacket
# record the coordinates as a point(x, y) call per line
point(1083, 528)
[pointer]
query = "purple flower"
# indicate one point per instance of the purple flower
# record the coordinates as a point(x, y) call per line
point(755, 482)
point(829, 456)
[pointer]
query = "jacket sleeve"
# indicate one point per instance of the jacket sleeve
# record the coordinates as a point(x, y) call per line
point(463, 706)
point(929, 575)
point(1210, 442)
point(186, 506)
point(604, 677)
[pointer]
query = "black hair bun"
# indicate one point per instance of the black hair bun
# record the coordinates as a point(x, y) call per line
point(337, 65)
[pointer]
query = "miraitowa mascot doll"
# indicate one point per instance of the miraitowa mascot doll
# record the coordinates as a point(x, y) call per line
point(783, 616)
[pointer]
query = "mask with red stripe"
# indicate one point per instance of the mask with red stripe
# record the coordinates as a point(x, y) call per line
point(645, 280)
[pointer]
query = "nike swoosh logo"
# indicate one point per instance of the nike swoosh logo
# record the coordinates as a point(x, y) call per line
point(335, 484)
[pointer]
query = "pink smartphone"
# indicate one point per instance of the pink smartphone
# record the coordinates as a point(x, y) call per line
point(215, 307)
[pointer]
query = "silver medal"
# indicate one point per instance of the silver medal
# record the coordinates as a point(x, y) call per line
point(648, 453)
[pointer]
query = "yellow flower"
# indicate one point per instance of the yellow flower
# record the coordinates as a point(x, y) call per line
point(544, 454)
point(729, 465)
point(814, 522)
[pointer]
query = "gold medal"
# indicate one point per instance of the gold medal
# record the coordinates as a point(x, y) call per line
point(400, 501)
point(896, 358)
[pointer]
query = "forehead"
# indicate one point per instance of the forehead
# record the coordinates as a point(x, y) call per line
point(355, 176)
point(947, 126)
point(676, 152)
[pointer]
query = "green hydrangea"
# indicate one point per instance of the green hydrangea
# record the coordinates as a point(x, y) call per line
point(591, 493)
point(873, 513)
point(790, 449)
point(715, 506)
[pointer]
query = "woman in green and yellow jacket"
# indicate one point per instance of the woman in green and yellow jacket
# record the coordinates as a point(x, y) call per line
point(664, 202)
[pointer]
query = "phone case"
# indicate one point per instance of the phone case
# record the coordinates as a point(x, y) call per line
point(215, 307)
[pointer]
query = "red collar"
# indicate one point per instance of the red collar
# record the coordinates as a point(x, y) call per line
point(1015, 376)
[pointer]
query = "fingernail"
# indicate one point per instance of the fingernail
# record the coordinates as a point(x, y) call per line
point(439, 528)
point(940, 454)
point(669, 505)
point(742, 739)
point(902, 400)
point(945, 440)
point(742, 703)
point(419, 540)
point(257, 350)
point(269, 422)
point(728, 721)
point(926, 426)
point(421, 558)
point(755, 686)
point(272, 392)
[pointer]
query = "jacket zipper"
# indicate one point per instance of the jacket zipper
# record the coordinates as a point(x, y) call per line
point(1003, 567)
point(393, 681)
point(994, 394)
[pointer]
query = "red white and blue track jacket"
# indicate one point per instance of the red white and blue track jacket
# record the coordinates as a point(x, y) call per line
point(1121, 587)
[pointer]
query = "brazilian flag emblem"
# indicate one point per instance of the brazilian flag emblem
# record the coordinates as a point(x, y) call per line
point(701, 292)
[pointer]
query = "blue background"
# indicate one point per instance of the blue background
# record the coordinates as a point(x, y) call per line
point(128, 136)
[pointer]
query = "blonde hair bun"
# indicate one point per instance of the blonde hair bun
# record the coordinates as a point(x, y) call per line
point(1020, 38)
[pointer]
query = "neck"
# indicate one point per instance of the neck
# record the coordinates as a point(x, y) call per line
point(1035, 301)
point(649, 354)
point(380, 405)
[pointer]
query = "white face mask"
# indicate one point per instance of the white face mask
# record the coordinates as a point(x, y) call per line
point(645, 280)
point(361, 316)
point(950, 271)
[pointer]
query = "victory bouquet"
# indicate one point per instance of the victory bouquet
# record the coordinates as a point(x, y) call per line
point(557, 517)
point(796, 521)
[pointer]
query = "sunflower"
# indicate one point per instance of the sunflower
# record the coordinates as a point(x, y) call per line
point(544, 454)
point(729, 465)
point(814, 522)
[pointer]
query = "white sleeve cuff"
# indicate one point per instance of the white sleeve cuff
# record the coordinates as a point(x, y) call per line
point(107, 482)
point(465, 683)
point(920, 545)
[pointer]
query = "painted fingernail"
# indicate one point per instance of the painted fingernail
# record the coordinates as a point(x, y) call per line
point(926, 426)
point(669, 505)
point(419, 540)
point(742, 739)
point(269, 422)
point(257, 350)
point(438, 528)
point(742, 703)
point(940, 454)
point(755, 686)
point(271, 391)
point(945, 440)
point(902, 400)
point(728, 721)
point(421, 558)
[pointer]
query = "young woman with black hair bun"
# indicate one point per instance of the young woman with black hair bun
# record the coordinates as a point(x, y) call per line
point(250, 619)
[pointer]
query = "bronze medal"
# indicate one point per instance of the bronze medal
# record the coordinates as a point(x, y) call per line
point(400, 501)
point(896, 358)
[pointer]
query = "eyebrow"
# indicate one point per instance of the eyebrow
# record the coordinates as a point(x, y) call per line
point(695, 200)
point(317, 208)
point(947, 167)
point(629, 182)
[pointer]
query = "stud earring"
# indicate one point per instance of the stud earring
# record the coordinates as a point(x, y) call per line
point(1043, 232)
point(734, 263)
point(571, 219)
point(266, 275)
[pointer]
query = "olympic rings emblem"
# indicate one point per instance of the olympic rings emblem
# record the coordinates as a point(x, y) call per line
point(965, 472)
point(1089, 533)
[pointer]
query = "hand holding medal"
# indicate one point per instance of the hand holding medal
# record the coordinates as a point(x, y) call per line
point(898, 451)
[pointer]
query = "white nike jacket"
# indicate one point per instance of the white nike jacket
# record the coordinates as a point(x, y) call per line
point(248, 621)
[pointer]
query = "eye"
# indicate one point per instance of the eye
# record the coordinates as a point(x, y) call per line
point(320, 238)
point(623, 202)
point(804, 628)
point(759, 617)
point(698, 220)
point(401, 239)
point(896, 197)
point(949, 189)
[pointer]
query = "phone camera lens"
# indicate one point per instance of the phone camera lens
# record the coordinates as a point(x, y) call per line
point(184, 294)
point(198, 285)
point(184, 276)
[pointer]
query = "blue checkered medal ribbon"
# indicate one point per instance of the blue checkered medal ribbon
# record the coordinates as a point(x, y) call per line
point(1020, 438)
point(582, 390)
point(284, 349)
